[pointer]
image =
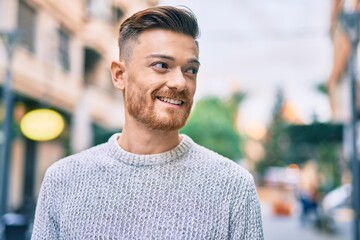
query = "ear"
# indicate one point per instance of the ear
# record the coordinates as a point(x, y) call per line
point(118, 74)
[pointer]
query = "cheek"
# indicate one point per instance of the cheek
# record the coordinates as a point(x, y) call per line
point(192, 88)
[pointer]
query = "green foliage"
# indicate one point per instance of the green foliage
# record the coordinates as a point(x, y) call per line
point(328, 156)
point(321, 142)
point(287, 143)
point(212, 125)
point(321, 88)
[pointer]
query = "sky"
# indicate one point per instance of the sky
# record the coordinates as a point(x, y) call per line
point(260, 46)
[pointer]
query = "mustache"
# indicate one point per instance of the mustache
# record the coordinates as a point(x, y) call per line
point(168, 93)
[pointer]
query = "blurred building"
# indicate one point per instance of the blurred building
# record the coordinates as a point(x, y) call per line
point(61, 61)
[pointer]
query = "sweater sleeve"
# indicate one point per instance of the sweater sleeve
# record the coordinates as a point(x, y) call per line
point(45, 223)
point(246, 222)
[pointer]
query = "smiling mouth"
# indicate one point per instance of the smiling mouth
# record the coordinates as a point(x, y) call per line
point(171, 101)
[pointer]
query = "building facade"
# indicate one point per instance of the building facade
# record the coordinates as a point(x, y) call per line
point(61, 60)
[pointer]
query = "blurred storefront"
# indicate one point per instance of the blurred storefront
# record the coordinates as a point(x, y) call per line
point(63, 50)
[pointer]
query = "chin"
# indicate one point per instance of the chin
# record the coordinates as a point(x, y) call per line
point(166, 126)
point(164, 120)
point(167, 123)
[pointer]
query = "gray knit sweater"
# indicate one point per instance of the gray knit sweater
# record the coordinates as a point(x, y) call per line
point(188, 192)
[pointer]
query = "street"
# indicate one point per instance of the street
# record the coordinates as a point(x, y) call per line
point(289, 227)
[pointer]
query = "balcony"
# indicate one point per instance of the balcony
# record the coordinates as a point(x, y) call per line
point(70, 13)
point(40, 80)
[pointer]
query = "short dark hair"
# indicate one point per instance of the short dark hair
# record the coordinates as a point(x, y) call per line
point(181, 20)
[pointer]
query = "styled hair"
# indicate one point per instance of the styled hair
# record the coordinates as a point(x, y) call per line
point(180, 20)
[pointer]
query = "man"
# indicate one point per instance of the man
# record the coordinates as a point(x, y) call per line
point(149, 182)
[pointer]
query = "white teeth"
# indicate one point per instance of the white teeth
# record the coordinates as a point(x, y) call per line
point(169, 100)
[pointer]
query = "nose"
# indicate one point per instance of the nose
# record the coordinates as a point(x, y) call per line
point(177, 81)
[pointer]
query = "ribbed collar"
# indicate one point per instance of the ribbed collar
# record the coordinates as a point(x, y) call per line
point(115, 151)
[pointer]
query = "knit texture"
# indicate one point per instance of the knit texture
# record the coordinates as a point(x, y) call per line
point(188, 192)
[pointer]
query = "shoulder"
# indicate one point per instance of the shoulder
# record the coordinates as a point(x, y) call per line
point(76, 163)
point(219, 166)
point(224, 176)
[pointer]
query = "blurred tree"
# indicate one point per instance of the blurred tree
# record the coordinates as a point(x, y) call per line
point(213, 124)
point(329, 148)
point(276, 141)
point(328, 162)
point(321, 142)
point(288, 143)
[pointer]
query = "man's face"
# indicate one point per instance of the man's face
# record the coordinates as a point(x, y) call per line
point(160, 79)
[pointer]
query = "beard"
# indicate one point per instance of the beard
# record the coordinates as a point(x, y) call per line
point(142, 108)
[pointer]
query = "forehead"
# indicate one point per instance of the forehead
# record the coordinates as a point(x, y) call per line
point(165, 42)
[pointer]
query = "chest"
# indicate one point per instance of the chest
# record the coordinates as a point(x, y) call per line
point(145, 207)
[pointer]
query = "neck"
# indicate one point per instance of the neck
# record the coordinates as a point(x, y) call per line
point(141, 140)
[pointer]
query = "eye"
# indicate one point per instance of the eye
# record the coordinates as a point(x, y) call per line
point(160, 65)
point(192, 70)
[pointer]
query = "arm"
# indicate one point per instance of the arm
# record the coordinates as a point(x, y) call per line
point(246, 222)
point(335, 11)
point(45, 224)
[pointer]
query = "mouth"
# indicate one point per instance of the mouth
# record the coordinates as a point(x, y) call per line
point(171, 101)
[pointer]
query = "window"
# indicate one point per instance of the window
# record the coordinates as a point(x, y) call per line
point(117, 14)
point(91, 65)
point(63, 53)
point(26, 22)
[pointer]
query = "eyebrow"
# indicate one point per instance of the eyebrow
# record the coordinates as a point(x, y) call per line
point(163, 56)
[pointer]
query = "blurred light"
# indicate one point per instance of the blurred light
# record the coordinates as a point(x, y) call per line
point(294, 166)
point(254, 150)
point(42, 124)
point(255, 131)
point(290, 113)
